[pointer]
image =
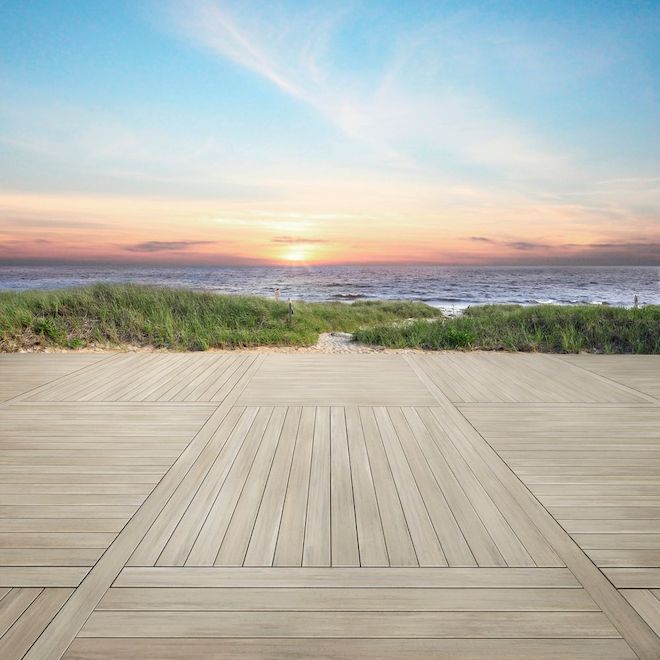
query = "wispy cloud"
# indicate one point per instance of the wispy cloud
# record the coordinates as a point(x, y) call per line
point(392, 110)
point(164, 246)
point(53, 222)
point(527, 245)
point(614, 253)
point(296, 240)
point(514, 245)
point(586, 253)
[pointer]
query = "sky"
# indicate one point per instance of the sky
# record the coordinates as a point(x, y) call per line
point(207, 132)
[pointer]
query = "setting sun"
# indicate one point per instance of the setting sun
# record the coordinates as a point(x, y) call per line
point(296, 254)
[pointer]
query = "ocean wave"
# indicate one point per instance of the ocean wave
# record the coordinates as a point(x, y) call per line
point(348, 296)
point(438, 300)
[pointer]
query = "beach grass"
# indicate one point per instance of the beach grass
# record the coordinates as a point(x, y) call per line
point(543, 328)
point(125, 315)
point(115, 316)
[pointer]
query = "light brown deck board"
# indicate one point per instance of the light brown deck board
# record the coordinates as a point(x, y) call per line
point(348, 649)
point(422, 578)
point(379, 625)
point(157, 377)
point(337, 599)
point(196, 492)
point(46, 527)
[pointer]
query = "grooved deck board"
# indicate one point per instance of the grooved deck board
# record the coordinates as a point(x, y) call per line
point(348, 649)
point(379, 625)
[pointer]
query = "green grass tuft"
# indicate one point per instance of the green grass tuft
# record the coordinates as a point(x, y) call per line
point(178, 319)
point(544, 328)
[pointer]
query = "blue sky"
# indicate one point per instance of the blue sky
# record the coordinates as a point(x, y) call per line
point(449, 132)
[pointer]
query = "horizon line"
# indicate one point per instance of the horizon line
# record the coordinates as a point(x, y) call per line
point(303, 265)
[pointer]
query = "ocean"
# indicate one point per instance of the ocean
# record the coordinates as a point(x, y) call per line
point(447, 287)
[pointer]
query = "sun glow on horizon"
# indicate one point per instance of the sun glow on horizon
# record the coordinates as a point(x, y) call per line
point(296, 254)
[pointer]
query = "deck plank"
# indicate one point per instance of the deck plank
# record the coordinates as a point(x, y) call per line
point(381, 625)
point(343, 528)
point(317, 549)
point(371, 540)
point(348, 649)
point(291, 534)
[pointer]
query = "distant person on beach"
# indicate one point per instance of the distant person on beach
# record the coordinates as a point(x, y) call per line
point(277, 294)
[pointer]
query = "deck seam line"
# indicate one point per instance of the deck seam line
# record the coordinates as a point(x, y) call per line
point(442, 492)
point(247, 474)
point(415, 481)
point(37, 388)
point(474, 473)
point(377, 503)
point(610, 381)
point(478, 514)
point(196, 490)
point(286, 488)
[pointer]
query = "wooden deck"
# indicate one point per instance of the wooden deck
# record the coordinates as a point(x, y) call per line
point(307, 505)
